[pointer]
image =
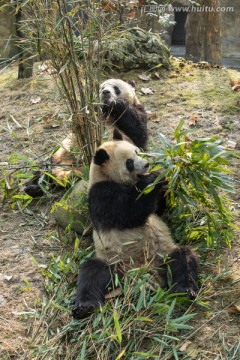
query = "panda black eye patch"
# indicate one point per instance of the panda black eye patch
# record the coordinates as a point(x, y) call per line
point(130, 164)
point(117, 90)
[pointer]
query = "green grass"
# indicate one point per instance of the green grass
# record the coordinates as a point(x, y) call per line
point(144, 322)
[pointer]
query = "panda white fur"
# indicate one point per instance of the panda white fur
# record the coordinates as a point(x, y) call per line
point(124, 115)
point(126, 229)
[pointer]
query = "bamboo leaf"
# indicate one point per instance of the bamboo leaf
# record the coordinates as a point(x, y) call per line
point(170, 310)
point(164, 141)
point(83, 350)
point(121, 354)
point(117, 326)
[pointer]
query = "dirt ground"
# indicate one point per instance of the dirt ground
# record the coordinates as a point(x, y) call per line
point(32, 122)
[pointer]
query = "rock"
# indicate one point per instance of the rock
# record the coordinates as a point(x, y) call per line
point(72, 211)
point(138, 48)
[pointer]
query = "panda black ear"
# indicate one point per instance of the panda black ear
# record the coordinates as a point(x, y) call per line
point(100, 157)
point(117, 135)
point(132, 83)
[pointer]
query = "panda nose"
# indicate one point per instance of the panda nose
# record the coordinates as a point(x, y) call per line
point(106, 92)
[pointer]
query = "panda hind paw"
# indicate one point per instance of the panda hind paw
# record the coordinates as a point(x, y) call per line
point(33, 190)
point(191, 292)
point(80, 311)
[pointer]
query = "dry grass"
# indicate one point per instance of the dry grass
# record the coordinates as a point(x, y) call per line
point(31, 233)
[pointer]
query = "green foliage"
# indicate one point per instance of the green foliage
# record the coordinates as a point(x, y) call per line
point(142, 323)
point(20, 169)
point(199, 183)
point(12, 177)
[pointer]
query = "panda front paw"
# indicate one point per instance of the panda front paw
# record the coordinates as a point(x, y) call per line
point(106, 108)
point(115, 108)
point(148, 179)
point(119, 107)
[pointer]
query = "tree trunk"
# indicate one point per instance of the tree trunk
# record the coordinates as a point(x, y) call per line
point(203, 33)
point(25, 67)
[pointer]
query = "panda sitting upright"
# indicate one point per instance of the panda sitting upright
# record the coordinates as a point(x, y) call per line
point(122, 111)
point(127, 232)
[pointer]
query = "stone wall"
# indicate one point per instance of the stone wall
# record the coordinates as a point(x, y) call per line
point(231, 33)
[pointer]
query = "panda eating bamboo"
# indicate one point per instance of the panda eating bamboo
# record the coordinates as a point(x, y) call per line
point(127, 232)
point(125, 117)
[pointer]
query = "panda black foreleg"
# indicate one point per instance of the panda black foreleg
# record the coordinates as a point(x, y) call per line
point(93, 282)
point(131, 120)
point(183, 264)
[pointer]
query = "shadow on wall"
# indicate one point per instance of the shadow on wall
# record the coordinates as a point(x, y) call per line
point(179, 34)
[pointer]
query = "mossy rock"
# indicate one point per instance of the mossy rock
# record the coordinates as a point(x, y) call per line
point(72, 210)
point(138, 48)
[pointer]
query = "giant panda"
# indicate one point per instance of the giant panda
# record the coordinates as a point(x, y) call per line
point(123, 111)
point(125, 117)
point(127, 232)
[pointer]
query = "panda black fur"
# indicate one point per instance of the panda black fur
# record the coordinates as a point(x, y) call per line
point(122, 111)
point(126, 229)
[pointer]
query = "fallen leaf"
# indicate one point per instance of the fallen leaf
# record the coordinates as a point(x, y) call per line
point(231, 144)
point(185, 345)
point(193, 120)
point(42, 266)
point(7, 277)
point(193, 351)
point(152, 115)
point(45, 69)
point(233, 82)
point(234, 310)
point(157, 75)
point(144, 77)
point(35, 100)
point(172, 76)
point(113, 293)
point(207, 329)
point(204, 65)
point(236, 87)
point(47, 122)
point(147, 91)
point(131, 15)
